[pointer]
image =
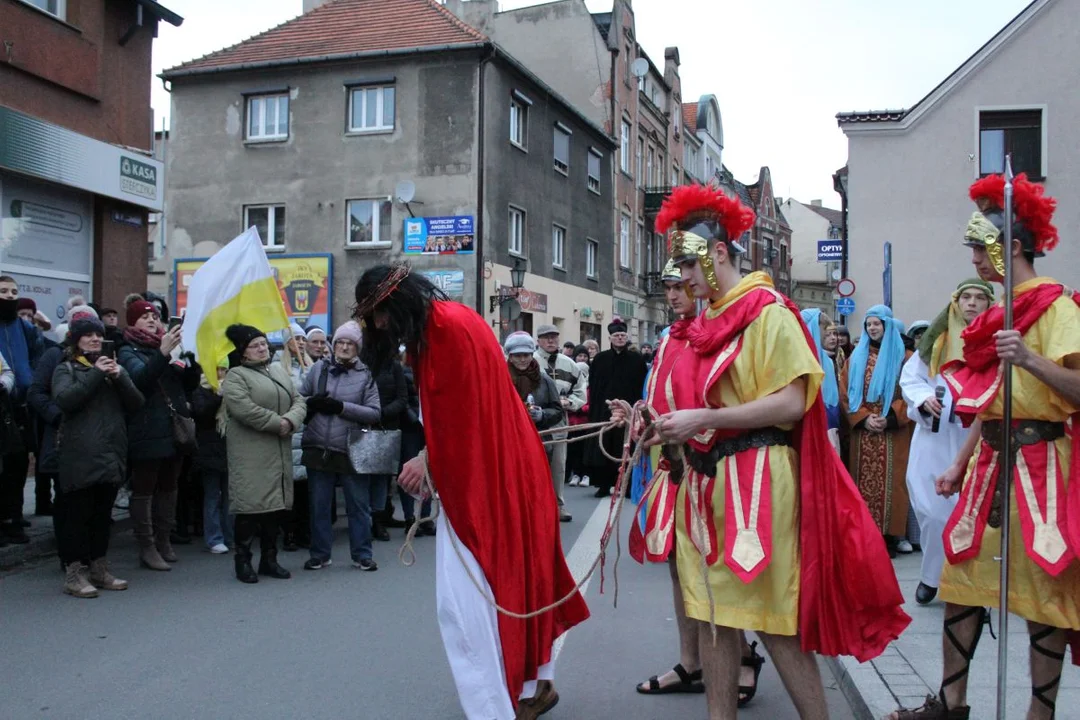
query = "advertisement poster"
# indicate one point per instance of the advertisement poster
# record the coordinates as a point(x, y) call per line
point(451, 235)
point(44, 228)
point(305, 283)
point(451, 282)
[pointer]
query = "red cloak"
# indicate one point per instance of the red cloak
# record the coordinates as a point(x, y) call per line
point(849, 599)
point(491, 472)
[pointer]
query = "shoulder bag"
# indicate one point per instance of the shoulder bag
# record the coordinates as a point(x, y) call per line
point(374, 450)
point(183, 427)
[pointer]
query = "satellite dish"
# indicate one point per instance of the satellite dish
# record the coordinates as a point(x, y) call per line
point(639, 67)
point(405, 191)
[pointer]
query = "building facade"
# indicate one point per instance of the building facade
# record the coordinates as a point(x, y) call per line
point(909, 170)
point(812, 282)
point(421, 141)
point(77, 177)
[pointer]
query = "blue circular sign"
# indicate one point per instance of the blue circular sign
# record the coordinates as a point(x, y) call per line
point(845, 306)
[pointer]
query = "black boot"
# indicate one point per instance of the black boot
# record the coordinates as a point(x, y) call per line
point(269, 525)
point(244, 534)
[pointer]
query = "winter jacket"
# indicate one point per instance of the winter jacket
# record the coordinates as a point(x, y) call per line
point(150, 431)
point(205, 403)
point(299, 470)
point(22, 345)
point(546, 397)
point(393, 396)
point(92, 448)
point(39, 398)
point(260, 460)
point(353, 387)
point(612, 375)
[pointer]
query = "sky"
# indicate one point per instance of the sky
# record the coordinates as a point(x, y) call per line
point(780, 69)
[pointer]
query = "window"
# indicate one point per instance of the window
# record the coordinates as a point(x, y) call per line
point(676, 117)
point(516, 236)
point(628, 72)
point(594, 170)
point(783, 258)
point(1018, 132)
point(640, 161)
point(371, 108)
point(592, 251)
point(624, 148)
point(639, 246)
point(624, 241)
point(369, 222)
point(562, 149)
point(53, 7)
point(674, 174)
point(649, 163)
point(519, 122)
point(269, 220)
point(558, 245)
point(268, 117)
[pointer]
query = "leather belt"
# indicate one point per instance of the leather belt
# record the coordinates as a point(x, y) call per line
point(676, 462)
point(1024, 432)
point(706, 462)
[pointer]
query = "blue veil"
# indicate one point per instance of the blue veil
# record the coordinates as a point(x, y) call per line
point(889, 362)
point(829, 389)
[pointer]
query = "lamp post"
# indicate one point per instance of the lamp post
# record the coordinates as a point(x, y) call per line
point(840, 185)
point(517, 282)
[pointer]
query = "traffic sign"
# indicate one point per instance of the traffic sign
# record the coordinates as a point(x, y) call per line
point(845, 306)
point(846, 287)
point(830, 251)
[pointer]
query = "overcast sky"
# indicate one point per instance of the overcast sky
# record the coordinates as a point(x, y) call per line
point(781, 69)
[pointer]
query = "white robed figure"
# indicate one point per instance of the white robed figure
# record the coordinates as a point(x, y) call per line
point(938, 434)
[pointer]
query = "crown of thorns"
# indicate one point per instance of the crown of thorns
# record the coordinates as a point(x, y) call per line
point(384, 290)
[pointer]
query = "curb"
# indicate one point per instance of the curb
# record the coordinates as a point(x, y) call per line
point(849, 688)
point(43, 545)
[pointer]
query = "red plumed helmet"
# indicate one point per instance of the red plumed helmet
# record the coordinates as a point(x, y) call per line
point(1031, 206)
point(698, 202)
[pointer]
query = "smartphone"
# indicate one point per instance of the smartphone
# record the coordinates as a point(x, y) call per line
point(175, 321)
point(108, 349)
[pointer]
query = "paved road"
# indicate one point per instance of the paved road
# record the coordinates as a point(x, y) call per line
point(337, 643)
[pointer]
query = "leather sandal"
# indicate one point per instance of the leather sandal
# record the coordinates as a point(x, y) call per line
point(688, 683)
point(747, 692)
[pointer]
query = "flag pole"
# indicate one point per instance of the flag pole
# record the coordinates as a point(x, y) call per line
point(1005, 481)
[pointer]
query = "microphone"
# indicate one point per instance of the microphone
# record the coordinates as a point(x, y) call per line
point(939, 393)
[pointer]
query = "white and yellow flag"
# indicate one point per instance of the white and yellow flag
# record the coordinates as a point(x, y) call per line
point(234, 286)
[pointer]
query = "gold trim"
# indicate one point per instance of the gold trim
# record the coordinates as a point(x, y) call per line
point(726, 353)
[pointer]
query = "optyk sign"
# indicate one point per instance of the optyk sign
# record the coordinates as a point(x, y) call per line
point(830, 250)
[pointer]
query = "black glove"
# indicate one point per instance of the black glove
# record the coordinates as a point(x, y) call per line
point(330, 406)
point(315, 403)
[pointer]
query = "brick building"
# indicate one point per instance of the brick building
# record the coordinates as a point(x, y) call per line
point(76, 175)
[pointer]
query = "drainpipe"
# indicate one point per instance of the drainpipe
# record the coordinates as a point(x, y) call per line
point(485, 58)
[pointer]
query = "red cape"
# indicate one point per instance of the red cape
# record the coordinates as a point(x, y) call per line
point(849, 599)
point(492, 475)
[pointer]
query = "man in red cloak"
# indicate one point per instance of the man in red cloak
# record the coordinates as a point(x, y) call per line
point(499, 520)
point(771, 533)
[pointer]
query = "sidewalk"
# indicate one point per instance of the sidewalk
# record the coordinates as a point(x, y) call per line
point(42, 540)
point(910, 669)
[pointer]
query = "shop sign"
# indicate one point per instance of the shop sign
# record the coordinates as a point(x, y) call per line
point(530, 301)
point(451, 235)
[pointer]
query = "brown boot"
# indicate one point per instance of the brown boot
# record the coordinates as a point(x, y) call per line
point(544, 700)
point(76, 582)
point(164, 513)
point(144, 533)
point(102, 579)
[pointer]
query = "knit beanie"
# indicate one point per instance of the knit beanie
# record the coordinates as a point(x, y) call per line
point(315, 330)
point(519, 343)
point(242, 335)
point(82, 311)
point(348, 331)
point(137, 308)
point(84, 325)
point(617, 326)
point(26, 304)
point(296, 330)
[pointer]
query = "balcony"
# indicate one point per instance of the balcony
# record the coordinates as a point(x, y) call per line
point(654, 197)
point(650, 284)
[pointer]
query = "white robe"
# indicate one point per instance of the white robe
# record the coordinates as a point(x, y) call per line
point(931, 454)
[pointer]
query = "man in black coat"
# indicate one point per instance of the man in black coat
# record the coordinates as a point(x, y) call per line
point(616, 374)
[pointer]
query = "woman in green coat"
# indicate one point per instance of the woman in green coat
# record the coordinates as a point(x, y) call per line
point(264, 411)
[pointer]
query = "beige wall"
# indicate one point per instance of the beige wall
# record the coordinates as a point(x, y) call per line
point(807, 227)
point(565, 303)
point(911, 186)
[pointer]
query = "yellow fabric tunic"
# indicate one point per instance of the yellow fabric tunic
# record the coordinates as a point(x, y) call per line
point(774, 354)
point(1033, 594)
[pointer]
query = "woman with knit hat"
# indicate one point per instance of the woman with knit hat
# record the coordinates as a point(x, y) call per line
point(152, 451)
point(263, 411)
point(535, 388)
point(94, 395)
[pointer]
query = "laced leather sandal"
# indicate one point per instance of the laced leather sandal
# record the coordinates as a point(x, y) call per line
point(747, 692)
point(1038, 692)
point(688, 683)
point(935, 708)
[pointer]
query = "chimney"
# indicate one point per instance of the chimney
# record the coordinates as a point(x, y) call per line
point(310, 5)
point(477, 13)
point(815, 203)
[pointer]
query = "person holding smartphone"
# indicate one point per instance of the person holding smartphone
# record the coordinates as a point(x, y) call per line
point(535, 388)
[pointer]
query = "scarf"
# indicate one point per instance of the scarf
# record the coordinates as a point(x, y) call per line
point(829, 389)
point(143, 338)
point(941, 343)
point(339, 367)
point(525, 382)
point(886, 371)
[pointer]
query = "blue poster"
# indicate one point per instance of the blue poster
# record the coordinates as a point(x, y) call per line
point(451, 282)
point(450, 235)
point(830, 250)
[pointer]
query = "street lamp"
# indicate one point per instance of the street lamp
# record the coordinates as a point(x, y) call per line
point(517, 281)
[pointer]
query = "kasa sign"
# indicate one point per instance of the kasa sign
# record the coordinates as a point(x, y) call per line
point(138, 178)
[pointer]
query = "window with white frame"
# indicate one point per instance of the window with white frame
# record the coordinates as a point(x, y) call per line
point(592, 252)
point(269, 220)
point(639, 246)
point(53, 7)
point(674, 174)
point(268, 117)
point(649, 164)
point(640, 162)
point(594, 170)
point(562, 149)
point(1015, 132)
point(624, 148)
point(624, 241)
point(558, 246)
point(519, 122)
point(676, 117)
point(371, 108)
point(368, 222)
point(516, 231)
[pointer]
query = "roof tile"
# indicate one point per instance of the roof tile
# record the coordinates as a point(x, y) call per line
point(689, 117)
point(346, 26)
